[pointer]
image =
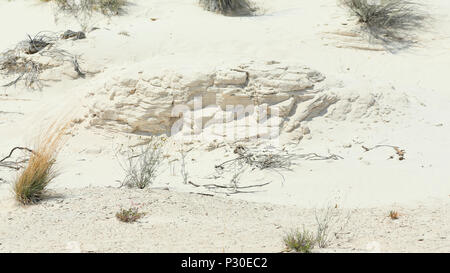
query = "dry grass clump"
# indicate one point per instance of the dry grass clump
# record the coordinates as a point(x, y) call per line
point(106, 7)
point(394, 215)
point(129, 215)
point(142, 163)
point(388, 20)
point(83, 10)
point(30, 185)
point(300, 241)
point(229, 7)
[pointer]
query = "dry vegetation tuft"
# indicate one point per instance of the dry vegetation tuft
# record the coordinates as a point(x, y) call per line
point(229, 7)
point(141, 164)
point(29, 58)
point(394, 215)
point(300, 241)
point(83, 10)
point(390, 21)
point(129, 215)
point(106, 7)
point(30, 186)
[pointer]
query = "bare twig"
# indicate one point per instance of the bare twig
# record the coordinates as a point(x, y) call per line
point(314, 156)
point(401, 153)
point(183, 171)
point(261, 160)
point(228, 187)
point(14, 149)
point(16, 164)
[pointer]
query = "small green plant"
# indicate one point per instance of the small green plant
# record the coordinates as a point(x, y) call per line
point(300, 241)
point(129, 215)
point(228, 7)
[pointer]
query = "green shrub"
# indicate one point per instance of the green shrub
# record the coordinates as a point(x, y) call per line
point(129, 215)
point(300, 241)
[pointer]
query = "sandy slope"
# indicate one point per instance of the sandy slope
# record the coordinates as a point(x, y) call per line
point(83, 220)
point(409, 91)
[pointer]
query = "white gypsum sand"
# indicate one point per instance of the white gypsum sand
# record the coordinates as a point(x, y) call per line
point(330, 90)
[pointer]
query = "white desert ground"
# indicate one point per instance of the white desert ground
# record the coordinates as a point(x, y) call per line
point(334, 91)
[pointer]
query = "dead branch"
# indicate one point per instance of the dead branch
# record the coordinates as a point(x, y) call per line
point(208, 186)
point(14, 149)
point(400, 153)
point(378, 146)
point(314, 156)
point(261, 160)
point(265, 160)
point(232, 189)
point(14, 164)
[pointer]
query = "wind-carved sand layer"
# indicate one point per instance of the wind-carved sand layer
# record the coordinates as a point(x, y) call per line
point(247, 101)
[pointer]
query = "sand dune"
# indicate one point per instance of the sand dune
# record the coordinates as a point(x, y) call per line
point(330, 95)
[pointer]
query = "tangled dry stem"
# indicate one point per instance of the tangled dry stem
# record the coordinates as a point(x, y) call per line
point(229, 7)
point(17, 164)
point(393, 22)
point(22, 63)
point(273, 160)
point(141, 164)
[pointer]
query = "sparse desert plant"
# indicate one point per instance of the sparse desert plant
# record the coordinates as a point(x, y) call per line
point(183, 170)
point(82, 10)
point(330, 221)
point(129, 215)
point(323, 228)
point(29, 58)
point(106, 7)
point(31, 184)
point(302, 241)
point(388, 20)
point(111, 7)
point(141, 166)
point(229, 7)
point(394, 215)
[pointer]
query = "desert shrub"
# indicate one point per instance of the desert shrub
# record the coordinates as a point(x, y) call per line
point(129, 215)
point(228, 7)
point(141, 164)
point(299, 241)
point(111, 7)
point(29, 58)
point(30, 186)
point(106, 7)
point(388, 20)
point(82, 10)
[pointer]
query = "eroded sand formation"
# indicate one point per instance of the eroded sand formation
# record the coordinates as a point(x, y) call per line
point(250, 100)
